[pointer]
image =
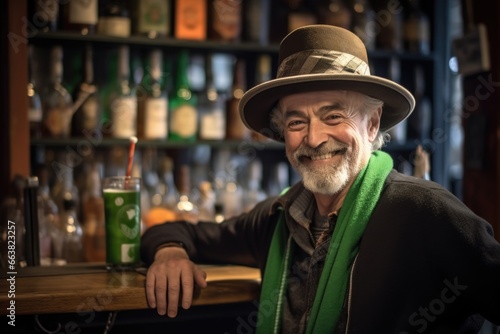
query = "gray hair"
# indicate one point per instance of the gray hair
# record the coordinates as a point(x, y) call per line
point(368, 104)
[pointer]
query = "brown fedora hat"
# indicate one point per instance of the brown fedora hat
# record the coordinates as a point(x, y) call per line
point(323, 57)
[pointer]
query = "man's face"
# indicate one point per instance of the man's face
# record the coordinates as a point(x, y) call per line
point(328, 137)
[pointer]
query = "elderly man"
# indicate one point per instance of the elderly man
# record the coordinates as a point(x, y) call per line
point(355, 247)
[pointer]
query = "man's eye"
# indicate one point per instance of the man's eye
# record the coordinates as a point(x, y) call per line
point(294, 124)
point(333, 116)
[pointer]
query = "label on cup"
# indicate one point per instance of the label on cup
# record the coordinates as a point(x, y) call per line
point(128, 253)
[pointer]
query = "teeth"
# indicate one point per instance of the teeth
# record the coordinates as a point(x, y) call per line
point(326, 156)
point(321, 157)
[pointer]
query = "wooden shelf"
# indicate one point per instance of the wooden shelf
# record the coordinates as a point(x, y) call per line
point(165, 144)
point(69, 38)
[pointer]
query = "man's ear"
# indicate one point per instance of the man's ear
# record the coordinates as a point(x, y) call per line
point(374, 123)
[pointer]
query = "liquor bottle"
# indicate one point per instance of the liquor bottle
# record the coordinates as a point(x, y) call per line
point(390, 17)
point(94, 231)
point(417, 29)
point(300, 15)
point(335, 12)
point(420, 121)
point(49, 216)
point(152, 18)
point(57, 104)
point(152, 100)
point(164, 196)
point(399, 131)
point(253, 192)
point(257, 16)
point(72, 233)
point(191, 19)
point(206, 202)
point(186, 208)
point(81, 16)
point(211, 107)
point(123, 99)
point(263, 74)
point(114, 19)
point(224, 22)
point(279, 179)
point(64, 186)
point(183, 114)
point(46, 15)
point(87, 116)
point(235, 128)
point(363, 17)
point(34, 102)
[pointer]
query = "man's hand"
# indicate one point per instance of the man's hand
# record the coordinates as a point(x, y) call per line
point(170, 274)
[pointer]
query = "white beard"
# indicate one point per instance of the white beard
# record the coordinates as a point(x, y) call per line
point(331, 179)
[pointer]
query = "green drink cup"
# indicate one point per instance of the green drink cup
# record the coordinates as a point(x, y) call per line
point(123, 221)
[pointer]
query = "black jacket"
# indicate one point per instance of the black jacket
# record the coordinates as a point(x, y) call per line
point(426, 263)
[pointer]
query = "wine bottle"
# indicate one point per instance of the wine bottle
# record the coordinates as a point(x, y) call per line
point(152, 100)
point(263, 74)
point(152, 18)
point(211, 107)
point(253, 192)
point(87, 116)
point(417, 29)
point(390, 18)
point(186, 208)
point(420, 121)
point(57, 104)
point(94, 236)
point(191, 19)
point(183, 114)
point(114, 19)
point(123, 100)
point(164, 196)
point(225, 20)
point(72, 233)
point(81, 16)
point(235, 128)
point(257, 16)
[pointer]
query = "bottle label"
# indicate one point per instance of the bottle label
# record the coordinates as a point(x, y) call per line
point(35, 114)
point(90, 113)
point(226, 19)
point(83, 11)
point(57, 121)
point(114, 26)
point(213, 125)
point(190, 19)
point(153, 16)
point(124, 112)
point(184, 121)
point(155, 118)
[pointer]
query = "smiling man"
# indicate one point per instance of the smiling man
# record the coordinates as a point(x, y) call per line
point(355, 246)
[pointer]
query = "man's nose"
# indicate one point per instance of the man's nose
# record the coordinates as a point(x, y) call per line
point(317, 134)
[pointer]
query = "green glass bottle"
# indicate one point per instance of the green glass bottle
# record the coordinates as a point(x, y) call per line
point(183, 125)
point(152, 100)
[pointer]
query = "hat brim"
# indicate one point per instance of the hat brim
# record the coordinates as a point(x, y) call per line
point(256, 104)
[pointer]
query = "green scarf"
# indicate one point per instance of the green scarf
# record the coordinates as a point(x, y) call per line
point(356, 211)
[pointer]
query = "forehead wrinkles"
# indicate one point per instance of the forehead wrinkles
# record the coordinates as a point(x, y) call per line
point(346, 101)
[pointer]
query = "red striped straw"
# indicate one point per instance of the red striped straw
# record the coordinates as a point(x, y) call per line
point(133, 141)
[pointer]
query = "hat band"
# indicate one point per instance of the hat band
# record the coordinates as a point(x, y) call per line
point(321, 62)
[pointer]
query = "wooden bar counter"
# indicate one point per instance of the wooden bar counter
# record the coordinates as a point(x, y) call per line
point(89, 287)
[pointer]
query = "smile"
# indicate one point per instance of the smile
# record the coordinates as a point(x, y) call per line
point(325, 156)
